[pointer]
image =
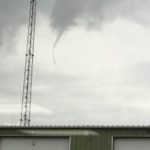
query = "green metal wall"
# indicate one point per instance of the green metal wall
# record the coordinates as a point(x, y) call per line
point(81, 138)
point(103, 140)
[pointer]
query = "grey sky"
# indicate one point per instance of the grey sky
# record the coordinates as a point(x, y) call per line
point(103, 61)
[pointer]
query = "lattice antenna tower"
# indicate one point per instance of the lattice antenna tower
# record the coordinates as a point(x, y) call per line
point(25, 118)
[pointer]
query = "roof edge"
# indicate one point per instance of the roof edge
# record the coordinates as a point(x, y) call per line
point(76, 127)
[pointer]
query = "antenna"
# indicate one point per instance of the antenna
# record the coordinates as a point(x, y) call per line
point(28, 71)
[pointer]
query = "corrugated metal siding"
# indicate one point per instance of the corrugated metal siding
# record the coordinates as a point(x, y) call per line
point(81, 138)
point(103, 140)
point(83, 143)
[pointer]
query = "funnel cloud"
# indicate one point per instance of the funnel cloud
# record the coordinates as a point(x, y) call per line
point(65, 14)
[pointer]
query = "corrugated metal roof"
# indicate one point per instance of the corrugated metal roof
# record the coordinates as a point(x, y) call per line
point(77, 127)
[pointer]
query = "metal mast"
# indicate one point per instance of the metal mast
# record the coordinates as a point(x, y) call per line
point(27, 85)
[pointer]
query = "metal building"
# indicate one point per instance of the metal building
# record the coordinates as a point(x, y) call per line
point(75, 138)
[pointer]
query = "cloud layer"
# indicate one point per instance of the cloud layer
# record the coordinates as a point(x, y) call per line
point(65, 14)
point(101, 73)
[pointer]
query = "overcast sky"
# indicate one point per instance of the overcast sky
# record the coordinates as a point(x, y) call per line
point(102, 54)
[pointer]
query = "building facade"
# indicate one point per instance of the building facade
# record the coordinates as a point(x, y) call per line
point(75, 138)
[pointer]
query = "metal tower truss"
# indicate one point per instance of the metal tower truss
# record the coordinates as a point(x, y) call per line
point(28, 72)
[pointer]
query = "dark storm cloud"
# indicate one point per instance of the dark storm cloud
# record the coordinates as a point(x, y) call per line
point(12, 16)
point(65, 13)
